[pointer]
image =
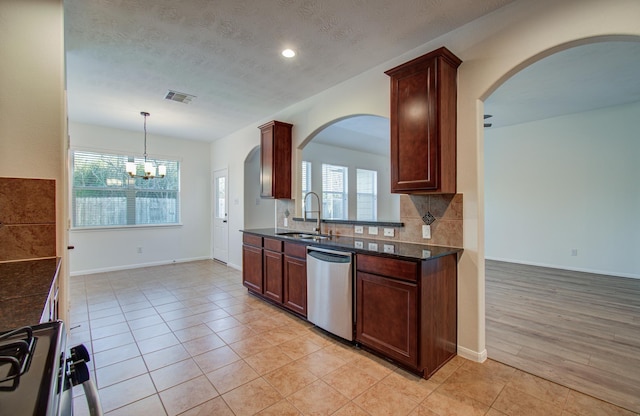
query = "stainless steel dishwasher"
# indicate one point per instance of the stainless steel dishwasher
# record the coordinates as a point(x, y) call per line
point(330, 290)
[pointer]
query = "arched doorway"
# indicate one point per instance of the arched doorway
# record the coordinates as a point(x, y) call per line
point(541, 195)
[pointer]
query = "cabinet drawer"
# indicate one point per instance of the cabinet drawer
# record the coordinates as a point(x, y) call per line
point(400, 269)
point(273, 245)
point(295, 250)
point(252, 240)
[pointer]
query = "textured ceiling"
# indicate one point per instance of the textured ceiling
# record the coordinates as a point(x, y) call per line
point(124, 55)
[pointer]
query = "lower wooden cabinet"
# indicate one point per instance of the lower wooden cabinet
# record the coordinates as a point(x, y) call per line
point(407, 310)
point(295, 278)
point(272, 266)
point(252, 263)
point(276, 270)
point(386, 317)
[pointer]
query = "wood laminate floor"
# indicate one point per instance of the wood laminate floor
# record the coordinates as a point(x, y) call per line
point(580, 330)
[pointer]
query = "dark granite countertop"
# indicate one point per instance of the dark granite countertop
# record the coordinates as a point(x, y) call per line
point(386, 248)
point(24, 288)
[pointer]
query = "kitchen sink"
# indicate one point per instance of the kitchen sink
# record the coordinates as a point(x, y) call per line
point(296, 235)
point(306, 236)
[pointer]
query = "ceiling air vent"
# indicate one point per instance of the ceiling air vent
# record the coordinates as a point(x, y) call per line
point(180, 97)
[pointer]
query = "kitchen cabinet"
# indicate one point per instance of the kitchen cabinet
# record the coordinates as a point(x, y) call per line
point(407, 310)
point(295, 278)
point(272, 266)
point(275, 160)
point(252, 262)
point(423, 124)
point(386, 316)
point(276, 271)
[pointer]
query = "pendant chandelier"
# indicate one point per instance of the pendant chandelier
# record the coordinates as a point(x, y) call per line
point(149, 167)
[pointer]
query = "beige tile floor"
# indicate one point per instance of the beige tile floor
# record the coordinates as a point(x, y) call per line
point(187, 339)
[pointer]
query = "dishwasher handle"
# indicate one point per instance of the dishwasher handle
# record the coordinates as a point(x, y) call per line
point(329, 256)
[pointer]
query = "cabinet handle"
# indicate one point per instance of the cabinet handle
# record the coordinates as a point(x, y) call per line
point(70, 247)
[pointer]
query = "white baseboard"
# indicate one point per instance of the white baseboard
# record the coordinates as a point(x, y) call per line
point(234, 266)
point(573, 269)
point(136, 266)
point(476, 356)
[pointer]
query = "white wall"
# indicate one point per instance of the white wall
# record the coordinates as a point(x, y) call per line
point(491, 48)
point(566, 183)
point(32, 104)
point(114, 249)
point(317, 154)
point(258, 212)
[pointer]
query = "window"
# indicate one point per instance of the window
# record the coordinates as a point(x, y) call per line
point(367, 195)
point(104, 195)
point(334, 192)
point(306, 177)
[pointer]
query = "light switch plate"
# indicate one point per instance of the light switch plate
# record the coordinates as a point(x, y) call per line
point(389, 232)
point(358, 229)
point(286, 222)
point(426, 231)
point(373, 230)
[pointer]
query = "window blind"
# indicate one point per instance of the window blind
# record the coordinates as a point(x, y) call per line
point(104, 195)
point(366, 195)
point(334, 192)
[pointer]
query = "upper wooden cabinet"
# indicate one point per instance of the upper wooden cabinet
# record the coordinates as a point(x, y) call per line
point(423, 124)
point(275, 160)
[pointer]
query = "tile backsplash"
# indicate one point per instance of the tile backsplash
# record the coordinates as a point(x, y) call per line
point(446, 230)
point(27, 218)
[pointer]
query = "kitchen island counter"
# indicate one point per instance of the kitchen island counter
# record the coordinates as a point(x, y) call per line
point(25, 287)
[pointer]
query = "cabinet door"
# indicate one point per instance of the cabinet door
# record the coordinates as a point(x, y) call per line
point(386, 317)
point(295, 284)
point(273, 275)
point(423, 124)
point(252, 268)
point(275, 160)
point(414, 145)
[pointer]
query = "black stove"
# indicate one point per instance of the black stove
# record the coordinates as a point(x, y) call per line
point(37, 372)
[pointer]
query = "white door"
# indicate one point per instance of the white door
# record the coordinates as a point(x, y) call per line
point(220, 217)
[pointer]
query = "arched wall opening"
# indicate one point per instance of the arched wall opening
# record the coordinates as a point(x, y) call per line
point(571, 173)
point(258, 212)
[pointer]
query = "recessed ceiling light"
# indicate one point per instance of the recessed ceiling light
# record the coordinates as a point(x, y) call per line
point(288, 53)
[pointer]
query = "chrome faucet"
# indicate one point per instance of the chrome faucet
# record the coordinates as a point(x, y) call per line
point(318, 228)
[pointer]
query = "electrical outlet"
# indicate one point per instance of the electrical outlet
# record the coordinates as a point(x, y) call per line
point(358, 229)
point(373, 246)
point(358, 244)
point(139, 250)
point(373, 230)
point(426, 254)
point(286, 222)
point(574, 252)
point(389, 232)
point(389, 248)
point(426, 231)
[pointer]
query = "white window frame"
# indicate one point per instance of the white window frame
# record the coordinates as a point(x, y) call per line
point(366, 195)
point(114, 185)
point(305, 178)
point(335, 192)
